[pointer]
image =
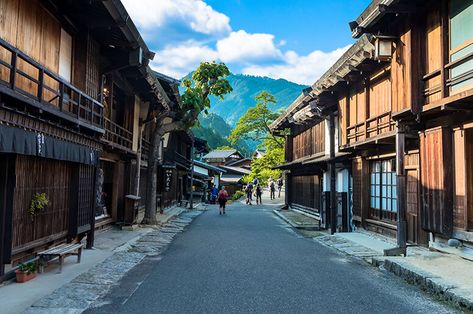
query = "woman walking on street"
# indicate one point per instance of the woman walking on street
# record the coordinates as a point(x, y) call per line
point(222, 200)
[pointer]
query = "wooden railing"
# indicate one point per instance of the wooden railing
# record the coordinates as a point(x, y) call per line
point(370, 128)
point(118, 135)
point(25, 79)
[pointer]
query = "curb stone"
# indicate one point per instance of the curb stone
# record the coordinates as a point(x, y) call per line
point(429, 282)
point(89, 287)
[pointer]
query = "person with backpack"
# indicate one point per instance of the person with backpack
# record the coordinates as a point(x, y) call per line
point(249, 192)
point(222, 200)
point(259, 192)
point(280, 184)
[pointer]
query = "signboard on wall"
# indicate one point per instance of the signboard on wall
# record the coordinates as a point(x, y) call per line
point(167, 180)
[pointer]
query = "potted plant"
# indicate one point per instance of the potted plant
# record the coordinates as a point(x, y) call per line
point(38, 203)
point(25, 272)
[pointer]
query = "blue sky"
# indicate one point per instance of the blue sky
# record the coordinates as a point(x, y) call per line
point(297, 39)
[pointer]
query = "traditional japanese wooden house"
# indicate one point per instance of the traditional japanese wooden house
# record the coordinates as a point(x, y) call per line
point(73, 78)
point(432, 78)
point(311, 153)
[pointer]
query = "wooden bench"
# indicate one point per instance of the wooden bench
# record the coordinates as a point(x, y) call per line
point(61, 252)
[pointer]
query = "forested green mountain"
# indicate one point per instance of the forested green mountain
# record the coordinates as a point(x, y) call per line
point(245, 88)
point(224, 114)
point(215, 131)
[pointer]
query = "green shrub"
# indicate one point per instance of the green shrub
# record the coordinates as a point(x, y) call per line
point(27, 268)
point(237, 195)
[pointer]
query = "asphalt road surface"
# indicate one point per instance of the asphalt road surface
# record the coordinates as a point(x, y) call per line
point(249, 261)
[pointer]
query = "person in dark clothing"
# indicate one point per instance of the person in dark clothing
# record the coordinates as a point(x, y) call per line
point(249, 192)
point(272, 189)
point(259, 192)
point(222, 200)
point(213, 194)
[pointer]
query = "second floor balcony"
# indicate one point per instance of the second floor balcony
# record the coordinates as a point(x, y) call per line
point(28, 81)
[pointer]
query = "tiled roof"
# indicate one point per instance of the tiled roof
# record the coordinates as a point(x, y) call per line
point(220, 154)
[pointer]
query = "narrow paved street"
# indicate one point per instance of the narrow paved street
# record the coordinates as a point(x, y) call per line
point(249, 261)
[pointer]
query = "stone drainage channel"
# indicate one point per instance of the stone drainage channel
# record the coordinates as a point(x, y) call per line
point(87, 289)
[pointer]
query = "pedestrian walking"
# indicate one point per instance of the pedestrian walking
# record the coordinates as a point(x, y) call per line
point(255, 181)
point(213, 194)
point(259, 192)
point(280, 184)
point(249, 192)
point(222, 200)
point(272, 189)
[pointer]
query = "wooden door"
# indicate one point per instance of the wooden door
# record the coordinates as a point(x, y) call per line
point(412, 210)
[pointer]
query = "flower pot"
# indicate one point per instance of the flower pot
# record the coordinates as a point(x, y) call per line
point(23, 276)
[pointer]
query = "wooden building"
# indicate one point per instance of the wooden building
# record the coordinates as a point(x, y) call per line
point(74, 83)
point(433, 62)
point(402, 95)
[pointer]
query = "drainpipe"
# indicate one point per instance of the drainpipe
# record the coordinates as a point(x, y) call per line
point(333, 193)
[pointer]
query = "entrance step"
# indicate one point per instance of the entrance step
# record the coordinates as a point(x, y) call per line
point(298, 220)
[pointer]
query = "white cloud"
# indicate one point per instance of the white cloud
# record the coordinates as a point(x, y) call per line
point(178, 61)
point(243, 47)
point(196, 14)
point(298, 69)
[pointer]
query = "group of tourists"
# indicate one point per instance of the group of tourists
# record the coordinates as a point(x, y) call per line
point(252, 188)
point(255, 188)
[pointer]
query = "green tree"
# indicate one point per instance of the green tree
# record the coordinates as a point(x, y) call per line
point(262, 168)
point(254, 124)
point(208, 79)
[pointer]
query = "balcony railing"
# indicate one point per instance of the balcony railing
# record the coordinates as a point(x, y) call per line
point(370, 128)
point(117, 135)
point(23, 78)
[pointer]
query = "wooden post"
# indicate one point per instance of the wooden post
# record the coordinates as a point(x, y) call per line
point(191, 192)
point(401, 195)
point(14, 57)
point(91, 233)
point(333, 192)
point(401, 187)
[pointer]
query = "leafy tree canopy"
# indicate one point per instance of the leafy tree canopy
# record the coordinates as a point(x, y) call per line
point(254, 124)
point(208, 79)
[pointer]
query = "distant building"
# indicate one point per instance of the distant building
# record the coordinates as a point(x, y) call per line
point(235, 165)
point(222, 157)
point(259, 153)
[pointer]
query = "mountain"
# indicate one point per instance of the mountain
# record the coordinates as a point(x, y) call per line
point(215, 131)
point(224, 114)
point(245, 88)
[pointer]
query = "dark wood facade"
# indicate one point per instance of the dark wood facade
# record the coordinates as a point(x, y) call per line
point(405, 118)
point(74, 86)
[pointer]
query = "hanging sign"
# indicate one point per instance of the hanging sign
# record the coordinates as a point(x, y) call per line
point(167, 180)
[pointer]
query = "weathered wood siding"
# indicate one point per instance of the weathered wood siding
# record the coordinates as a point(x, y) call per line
point(343, 121)
point(433, 56)
point(401, 68)
point(306, 191)
point(436, 180)
point(37, 175)
point(310, 141)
